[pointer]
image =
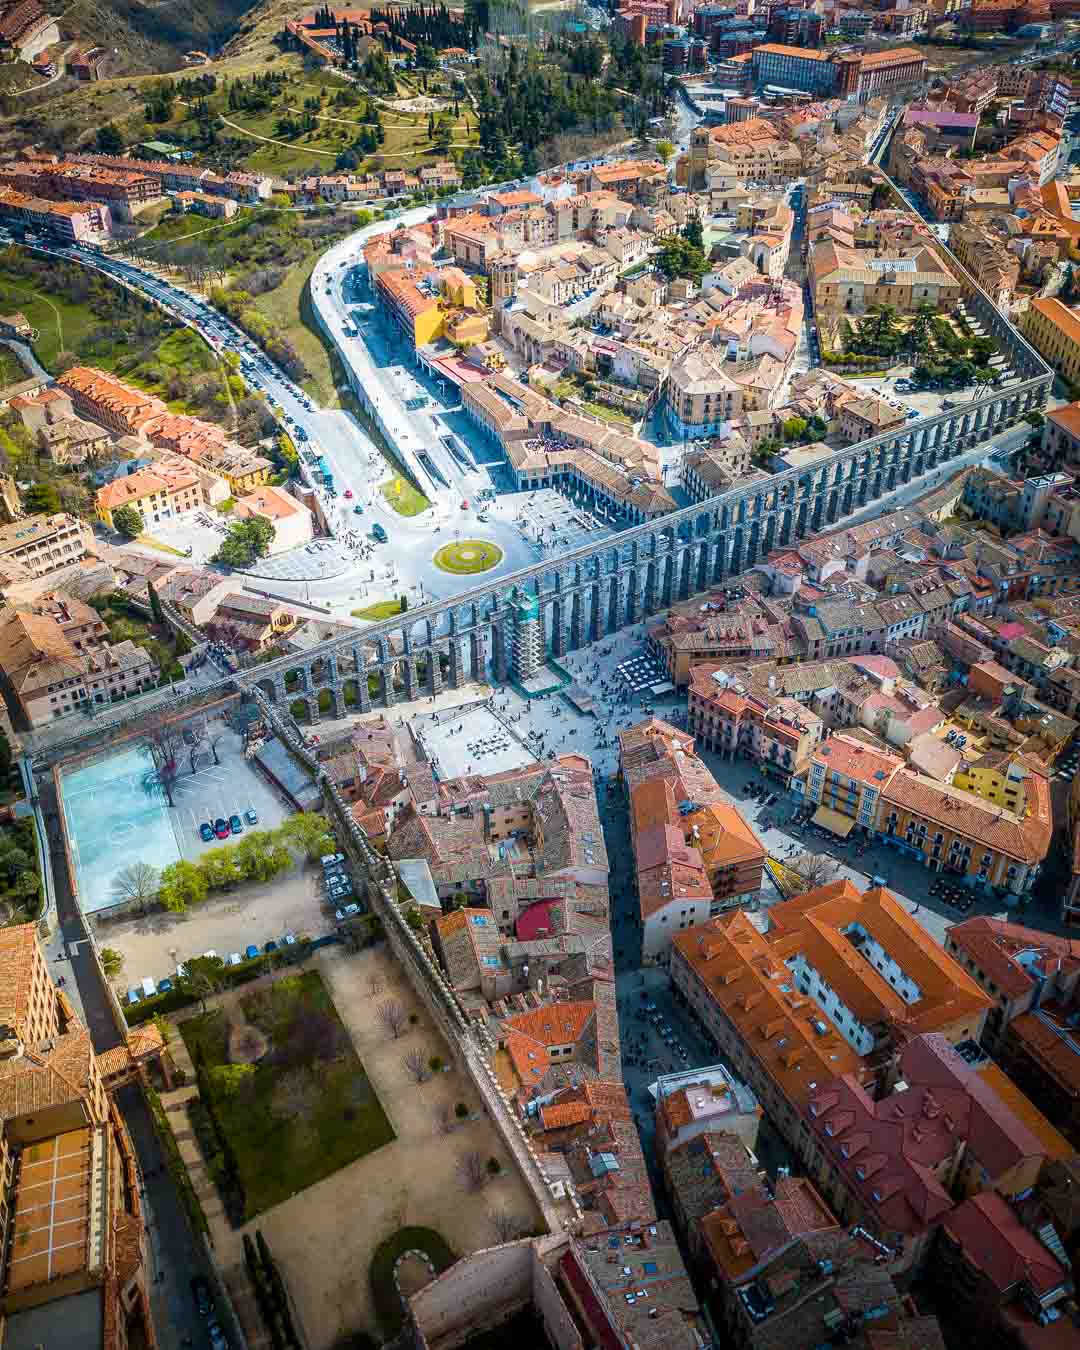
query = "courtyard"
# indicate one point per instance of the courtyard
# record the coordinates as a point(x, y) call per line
point(325, 1235)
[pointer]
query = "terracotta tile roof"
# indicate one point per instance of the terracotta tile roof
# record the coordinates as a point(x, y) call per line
point(889, 1152)
point(19, 957)
point(568, 1113)
point(996, 1243)
point(1025, 838)
point(1015, 958)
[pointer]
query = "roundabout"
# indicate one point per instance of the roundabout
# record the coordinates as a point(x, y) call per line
point(467, 556)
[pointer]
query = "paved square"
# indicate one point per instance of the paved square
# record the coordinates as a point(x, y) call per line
point(472, 741)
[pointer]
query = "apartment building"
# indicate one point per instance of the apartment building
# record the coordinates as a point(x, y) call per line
point(845, 781)
point(70, 1174)
point(1017, 967)
point(790, 1010)
point(700, 396)
point(794, 68)
point(898, 1165)
point(160, 493)
point(978, 842)
point(1053, 329)
point(732, 717)
point(109, 401)
point(72, 222)
point(38, 545)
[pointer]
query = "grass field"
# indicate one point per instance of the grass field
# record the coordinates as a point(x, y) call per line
point(60, 325)
point(305, 1108)
point(403, 497)
point(465, 556)
point(384, 609)
point(289, 308)
point(11, 371)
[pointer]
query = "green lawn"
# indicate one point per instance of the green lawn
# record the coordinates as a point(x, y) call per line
point(60, 324)
point(467, 556)
point(403, 497)
point(11, 371)
point(288, 306)
point(306, 1108)
point(384, 609)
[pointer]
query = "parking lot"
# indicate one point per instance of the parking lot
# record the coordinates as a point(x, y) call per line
point(217, 792)
point(255, 913)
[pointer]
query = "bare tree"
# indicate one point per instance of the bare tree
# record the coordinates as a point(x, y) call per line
point(444, 1117)
point(136, 884)
point(472, 1172)
point(393, 1016)
point(198, 741)
point(375, 986)
point(507, 1226)
point(815, 869)
point(416, 1065)
point(164, 744)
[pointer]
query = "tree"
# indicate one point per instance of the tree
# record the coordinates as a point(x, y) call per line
point(112, 962)
point(679, 258)
point(794, 428)
point(156, 612)
point(246, 540)
point(260, 856)
point(472, 1172)
point(309, 832)
point(815, 869)
point(137, 884)
point(694, 234)
point(220, 868)
point(42, 497)
point(182, 884)
point(415, 1064)
point(203, 977)
point(393, 1017)
point(108, 140)
point(665, 150)
point(164, 744)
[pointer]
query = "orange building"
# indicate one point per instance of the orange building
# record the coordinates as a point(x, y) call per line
point(835, 985)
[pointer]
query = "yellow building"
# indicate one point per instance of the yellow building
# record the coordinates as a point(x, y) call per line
point(1053, 329)
point(996, 778)
point(432, 304)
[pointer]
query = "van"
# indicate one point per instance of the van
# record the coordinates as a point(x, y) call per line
point(149, 988)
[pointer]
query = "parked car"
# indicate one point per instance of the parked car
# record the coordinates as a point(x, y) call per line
point(251, 951)
point(288, 939)
point(206, 831)
point(221, 827)
point(250, 816)
point(271, 946)
point(234, 959)
point(236, 825)
point(328, 859)
point(218, 1340)
point(348, 912)
point(165, 986)
point(200, 1292)
point(134, 996)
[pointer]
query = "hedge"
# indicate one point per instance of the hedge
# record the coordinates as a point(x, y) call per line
point(137, 1013)
point(388, 1309)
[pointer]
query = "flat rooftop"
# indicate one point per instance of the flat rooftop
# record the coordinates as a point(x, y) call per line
point(76, 1322)
point(482, 745)
point(52, 1211)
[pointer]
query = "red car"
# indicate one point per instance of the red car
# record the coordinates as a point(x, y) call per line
point(348, 492)
point(221, 828)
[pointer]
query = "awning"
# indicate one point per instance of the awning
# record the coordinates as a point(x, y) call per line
point(833, 821)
